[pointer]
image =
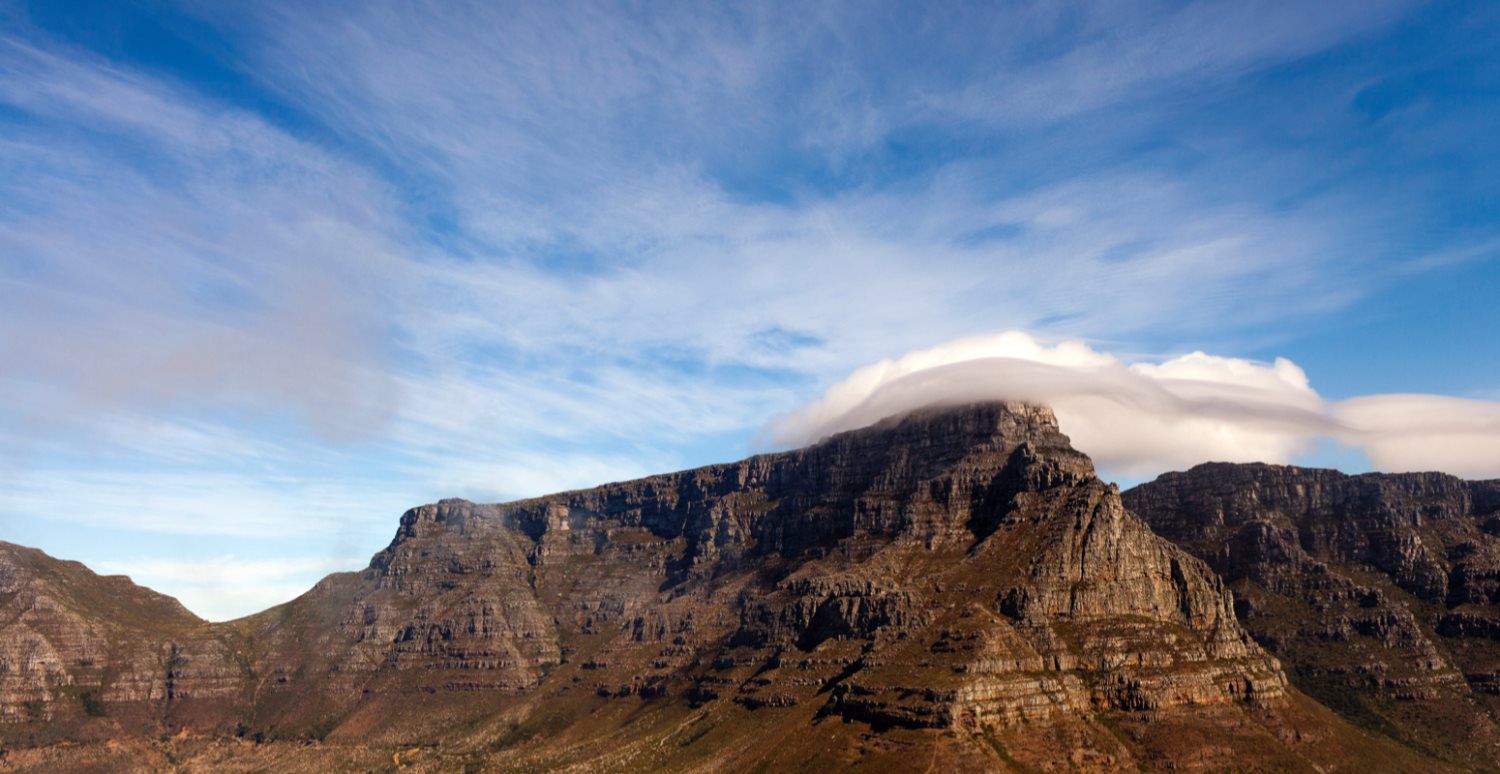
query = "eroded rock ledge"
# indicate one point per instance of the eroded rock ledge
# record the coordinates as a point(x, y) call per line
point(1380, 592)
point(957, 568)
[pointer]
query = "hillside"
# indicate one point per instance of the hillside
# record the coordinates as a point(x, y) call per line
point(1379, 593)
point(954, 586)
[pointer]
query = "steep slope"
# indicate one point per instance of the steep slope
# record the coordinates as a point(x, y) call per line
point(1380, 593)
point(954, 586)
point(958, 569)
point(73, 644)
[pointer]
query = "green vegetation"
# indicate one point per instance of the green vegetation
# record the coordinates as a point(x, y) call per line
point(322, 727)
point(93, 704)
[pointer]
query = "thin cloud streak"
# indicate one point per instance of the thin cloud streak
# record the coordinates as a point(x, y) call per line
point(617, 243)
point(720, 275)
point(137, 282)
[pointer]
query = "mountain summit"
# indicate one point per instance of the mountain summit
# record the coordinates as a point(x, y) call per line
point(953, 585)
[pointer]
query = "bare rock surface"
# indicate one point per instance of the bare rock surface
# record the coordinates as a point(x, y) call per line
point(954, 586)
point(1380, 593)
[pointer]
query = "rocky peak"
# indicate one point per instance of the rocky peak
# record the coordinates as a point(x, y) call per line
point(72, 641)
point(956, 572)
point(953, 449)
point(957, 566)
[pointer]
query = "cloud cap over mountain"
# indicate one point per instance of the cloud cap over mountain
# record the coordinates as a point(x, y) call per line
point(1142, 417)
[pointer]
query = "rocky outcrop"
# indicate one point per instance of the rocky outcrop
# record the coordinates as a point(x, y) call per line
point(956, 580)
point(75, 646)
point(1380, 593)
point(947, 569)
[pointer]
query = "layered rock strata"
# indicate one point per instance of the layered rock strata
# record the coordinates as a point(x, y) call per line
point(73, 644)
point(947, 569)
point(956, 579)
point(1381, 593)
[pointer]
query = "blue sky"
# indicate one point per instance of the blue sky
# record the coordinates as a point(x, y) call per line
point(271, 273)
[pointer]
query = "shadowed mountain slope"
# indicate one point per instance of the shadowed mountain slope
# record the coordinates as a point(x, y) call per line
point(1380, 593)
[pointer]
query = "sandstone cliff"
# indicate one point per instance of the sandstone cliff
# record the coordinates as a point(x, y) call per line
point(74, 645)
point(1380, 593)
point(954, 584)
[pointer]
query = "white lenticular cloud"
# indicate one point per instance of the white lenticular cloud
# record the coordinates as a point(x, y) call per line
point(1143, 418)
point(1426, 432)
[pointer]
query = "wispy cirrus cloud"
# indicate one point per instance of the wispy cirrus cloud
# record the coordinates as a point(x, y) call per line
point(492, 251)
point(1125, 51)
point(161, 251)
point(264, 274)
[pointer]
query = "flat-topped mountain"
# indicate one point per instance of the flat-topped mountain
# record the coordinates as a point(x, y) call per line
point(952, 587)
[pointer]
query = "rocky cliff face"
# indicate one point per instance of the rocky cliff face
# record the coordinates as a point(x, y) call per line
point(73, 644)
point(1381, 593)
point(954, 583)
point(953, 569)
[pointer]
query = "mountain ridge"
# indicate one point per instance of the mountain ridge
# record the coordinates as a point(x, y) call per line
point(1381, 591)
point(955, 582)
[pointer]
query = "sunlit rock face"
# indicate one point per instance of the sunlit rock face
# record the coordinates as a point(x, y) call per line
point(954, 582)
point(1380, 593)
point(948, 568)
point(74, 644)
